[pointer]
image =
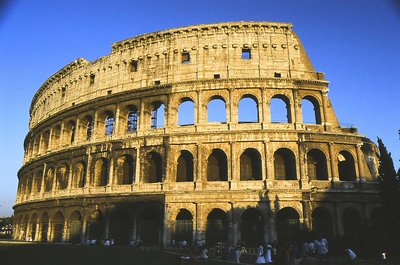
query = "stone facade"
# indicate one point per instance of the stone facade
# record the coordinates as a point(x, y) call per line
point(107, 155)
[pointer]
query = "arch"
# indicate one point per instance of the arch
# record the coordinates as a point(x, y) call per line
point(48, 183)
point(89, 126)
point(248, 109)
point(75, 227)
point(38, 181)
point(100, 172)
point(44, 227)
point(46, 140)
point(352, 227)
point(71, 131)
point(216, 110)
point(310, 110)
point(347, 171)
point(184, 226)
point(125, 170)
point(250, 165)
point(280, 109)
point(150, 223)
point(33, 226)
point(287, 224)
point(322, 222)
point(157, 115)
point(58, 227)
point(132, 119)
point(217, 227)
point(62, 177)
point(217, 166)
point(109, 123)
point(184, 171)
point(121, 224)
point(316, 165)
point(252, 227)
point(186, 112)
point(79, 175)
point(56, 136)
point(285, 164)
point(153, 168)
point(95, 225)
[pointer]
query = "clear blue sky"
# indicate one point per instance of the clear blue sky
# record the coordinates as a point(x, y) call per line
point(356, 44)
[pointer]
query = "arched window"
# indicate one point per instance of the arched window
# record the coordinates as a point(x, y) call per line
point(44, 227)
point(157, 115)
point(250, 165)
point(316, 165)
point(75, 229)
point(217, 227)
point(285, 164)
point(46, 138)
point(184, 170)
point(153, 168)
point(89, 127)
point(186, 112)
point(248, 109)
point(310, 110)
point(347, 171)
point(216, 110)
point(280, 109)
point(217, 167)
point(49, 180)
point(79, 175)
point(100, 173)
point(62, 177)
point(56, 135)
point(38, 181)
point(58, 227)
point(132, 123)
point(109, 123)
point(184, 226)
point(287, 224)
point(125, 170)
point(72, 131)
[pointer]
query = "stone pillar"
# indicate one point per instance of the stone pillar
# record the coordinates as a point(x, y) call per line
point(137, 166)
point(359, 162)
point(141, 119)
point(62, 135)
point(50, 231)
point(65, 233)
point(272, 229)
point(332, 159)
point(37, 232)
point(111, 173)
point(296, 113)
point(166, 237)
point(324, 113)
point(229, 107)
point(42, 187)
point(70, 177)
point(117, 126)
point(338, 222)
point(83, 230)
point(88, 171)
point(96, 129)
point(78, 136)
point(198, 178)
point(264, 163)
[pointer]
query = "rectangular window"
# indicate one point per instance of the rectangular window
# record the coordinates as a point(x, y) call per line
point(134, 66)
point(92, 77)
point(157, 82)
point(217, 76)
point(277, 74)
point(185, 57)
point(246, 54)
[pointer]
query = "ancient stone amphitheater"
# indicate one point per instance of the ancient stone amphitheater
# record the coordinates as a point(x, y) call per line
point(219, 132)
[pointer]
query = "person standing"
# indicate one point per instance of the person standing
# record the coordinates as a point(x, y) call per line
point(260, 256)
point(268, 255)
point(321, 248)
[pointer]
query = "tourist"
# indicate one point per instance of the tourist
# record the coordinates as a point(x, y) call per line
point(321, 248)
point(260, 255)
point(268, 255)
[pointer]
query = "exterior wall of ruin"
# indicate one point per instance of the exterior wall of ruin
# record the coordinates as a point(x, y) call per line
point(64, 166)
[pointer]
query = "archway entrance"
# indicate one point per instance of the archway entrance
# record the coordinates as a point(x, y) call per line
point(252, 227)
point(217, 227)
point(184, 226)
point(287, 224)
point(75, 228)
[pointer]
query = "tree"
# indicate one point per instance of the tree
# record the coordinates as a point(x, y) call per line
point(390, 195)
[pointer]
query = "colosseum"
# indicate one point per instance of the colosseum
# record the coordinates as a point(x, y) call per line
point(217, 132)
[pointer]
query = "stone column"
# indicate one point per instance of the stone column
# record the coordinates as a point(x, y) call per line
point(83, 230)
point(70, 176)
point(324, 113)
point(334, 175)
point(137, 166)
point(142, 120)
point(42, 187)
point(88, 171)
point(359, 162)
point(65, 232)
point(50, 231)
point(110, 183)
point(296, 113)
point(37, 232)
point(117, 126)
point(78, 136)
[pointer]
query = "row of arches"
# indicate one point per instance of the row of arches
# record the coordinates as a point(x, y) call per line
point(253, 225)
point(125, 119)
point(153, 164)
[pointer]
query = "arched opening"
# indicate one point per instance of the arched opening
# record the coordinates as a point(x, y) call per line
point(58, 227)
point(95, 226)
point(310, 110)
point(217, 227)
point(121, 225)
point(184, 226)
point(150, 224)
point(287, 224)
point(109, 123)
point(38, 181)
point(248, 109)
point(125, 170)
point(62, 177)
point(250, 165)
point(33, 225)
point(217, 166)
point(184, 170)
point(347, 171)
point(316, 165)
point(56, 136)
point(79, 175)
point(216, 110)
point(49, 180)
point(75, 228)
point(285, 164)
point(186, 112)
point(44, 227)
point(132, 119)
point(280, 109)
point(100, 172)
point(71, 131)
point(322, 222)
point(153, 168)
point(89, 125)
point(157, 115)
point(252, 227)
point(352, 227)
point(46, 139)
